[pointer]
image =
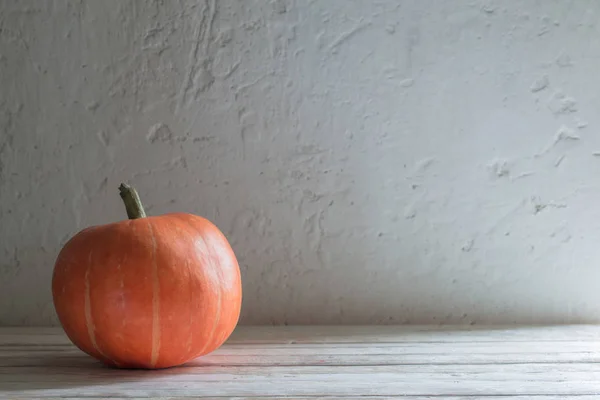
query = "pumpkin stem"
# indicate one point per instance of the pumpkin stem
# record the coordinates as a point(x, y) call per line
point(132, 201)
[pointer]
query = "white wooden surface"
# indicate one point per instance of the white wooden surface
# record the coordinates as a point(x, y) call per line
point(540, 363)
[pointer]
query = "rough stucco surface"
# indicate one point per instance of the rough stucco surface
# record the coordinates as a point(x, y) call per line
point(371, 161)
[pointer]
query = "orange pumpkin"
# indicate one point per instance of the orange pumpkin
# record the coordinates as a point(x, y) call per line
point(148, 292)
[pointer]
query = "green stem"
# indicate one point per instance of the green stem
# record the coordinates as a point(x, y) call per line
point(133, 205)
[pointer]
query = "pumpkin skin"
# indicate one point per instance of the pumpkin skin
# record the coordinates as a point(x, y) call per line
point(150, 292)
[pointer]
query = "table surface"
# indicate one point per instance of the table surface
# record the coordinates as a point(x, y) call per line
point(541, 363)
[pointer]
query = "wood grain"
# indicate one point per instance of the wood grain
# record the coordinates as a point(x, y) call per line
point(539, 363)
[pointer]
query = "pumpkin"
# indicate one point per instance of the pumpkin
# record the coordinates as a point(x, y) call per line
point(148, 292)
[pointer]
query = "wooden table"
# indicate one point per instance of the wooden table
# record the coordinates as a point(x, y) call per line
point(454, 363)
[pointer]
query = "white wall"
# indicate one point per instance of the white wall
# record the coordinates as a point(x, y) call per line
point(371, 161)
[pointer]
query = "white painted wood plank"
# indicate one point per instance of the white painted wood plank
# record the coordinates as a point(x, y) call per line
point(544, 379)
point(391, 334)
point(543, 397)
point(257, 361)
point(285, 382)
point(366, 348)
point(339, 354)
point(348, 362)
point(543, 372)
point(484, 397)
point(354, 334)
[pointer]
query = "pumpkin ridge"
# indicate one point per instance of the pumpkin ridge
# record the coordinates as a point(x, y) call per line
point(191, 293)
point(87, 307)
point(216, 270)
point(188, 269)
point(155, 302)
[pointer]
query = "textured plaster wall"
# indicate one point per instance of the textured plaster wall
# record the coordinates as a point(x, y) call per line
point(411, 161)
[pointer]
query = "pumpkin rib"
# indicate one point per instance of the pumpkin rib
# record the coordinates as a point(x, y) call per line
point(190, 288)
point(221, 297)
point(174, 266)
point(218, 340)
point(87, 309)
point(200, 224)
point(173, 225)
point(209, 257)
point(191, 296)
point(155, 301)
point(121, 328)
